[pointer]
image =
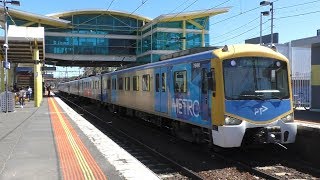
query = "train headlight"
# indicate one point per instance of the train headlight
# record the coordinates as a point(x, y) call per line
point(288, 118)
point(231, 120)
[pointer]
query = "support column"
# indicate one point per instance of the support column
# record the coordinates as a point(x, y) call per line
point(202, 39)
point(37, 78)
point(10, 77)
point(2, 86)
point(184, 34)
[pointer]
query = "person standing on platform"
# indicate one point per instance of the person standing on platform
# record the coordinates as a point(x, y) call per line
point(49, 89)
point(15, 87)
point(29, 93)
point(22, 96)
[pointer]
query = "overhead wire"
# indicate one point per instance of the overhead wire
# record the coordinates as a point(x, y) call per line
point(295, 5)
point(295, 15)
point(143, 2)
point(241, 13)
point(254, 35)
point(182, 11)
point(235, 16)
point(236, 28)
point(179, 6)
point(110, 4)
point(233, 37)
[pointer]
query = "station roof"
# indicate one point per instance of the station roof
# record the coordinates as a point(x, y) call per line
point(98, 11)
point(188, 15)
point(35, 18)
point(22, 41)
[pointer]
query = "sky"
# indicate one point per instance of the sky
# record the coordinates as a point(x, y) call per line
point(293, 19)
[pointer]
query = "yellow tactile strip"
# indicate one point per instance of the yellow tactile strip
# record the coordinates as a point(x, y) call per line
point(75, 160)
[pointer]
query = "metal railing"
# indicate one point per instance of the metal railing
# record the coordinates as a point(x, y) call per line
point(301, 88)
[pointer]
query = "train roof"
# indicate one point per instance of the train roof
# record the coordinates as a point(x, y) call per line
point(186, 52)
point(193, 57)
point(249, 50)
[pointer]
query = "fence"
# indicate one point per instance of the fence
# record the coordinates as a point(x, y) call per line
point(301, 88)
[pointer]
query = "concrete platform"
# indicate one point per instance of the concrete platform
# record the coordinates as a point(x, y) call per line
point(29, 145)
point(307, 143)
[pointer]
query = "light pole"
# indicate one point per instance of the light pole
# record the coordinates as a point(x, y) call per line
point(265, 3)
point(6, 63)
point(264, 13)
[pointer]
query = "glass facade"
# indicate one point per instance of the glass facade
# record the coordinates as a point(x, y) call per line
point(89, 46)
point(94, 24)
point(169, 36)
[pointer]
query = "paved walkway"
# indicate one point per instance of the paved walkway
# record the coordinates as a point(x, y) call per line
point(26, 144)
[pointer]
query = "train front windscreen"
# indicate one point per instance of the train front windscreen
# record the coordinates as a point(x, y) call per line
point(255, 78)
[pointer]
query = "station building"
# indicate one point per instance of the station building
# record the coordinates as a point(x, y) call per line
point(110, 37)
point(96, 37)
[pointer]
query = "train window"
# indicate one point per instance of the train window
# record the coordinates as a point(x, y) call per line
point(157, 82)
point(180, 81)
point(120, 83)
point(212, 82)
point(108, 84)
point(163, 86)
point(146, 82)
point(204, 81)
point(127, 83)
point(114, 84)
point(135, 83)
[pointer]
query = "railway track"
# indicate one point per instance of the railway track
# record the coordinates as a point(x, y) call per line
point(170, 169)
point(163, 166)
point(272, 165)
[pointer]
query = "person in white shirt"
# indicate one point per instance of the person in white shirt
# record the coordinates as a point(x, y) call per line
point(29, 93)
point(22, 96)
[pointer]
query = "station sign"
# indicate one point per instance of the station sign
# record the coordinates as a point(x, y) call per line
point(47, 76)
point(47, 68)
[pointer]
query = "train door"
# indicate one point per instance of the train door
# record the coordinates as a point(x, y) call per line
point(104, 88)
point(205, 99)
point(161, 92)
point(114, 88)
point(108, 96)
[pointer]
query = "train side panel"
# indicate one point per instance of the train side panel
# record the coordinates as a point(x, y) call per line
point(96, 87)
point(134, 90)
point(189, 98)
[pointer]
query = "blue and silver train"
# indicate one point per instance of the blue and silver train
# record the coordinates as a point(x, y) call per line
point(232, 96)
